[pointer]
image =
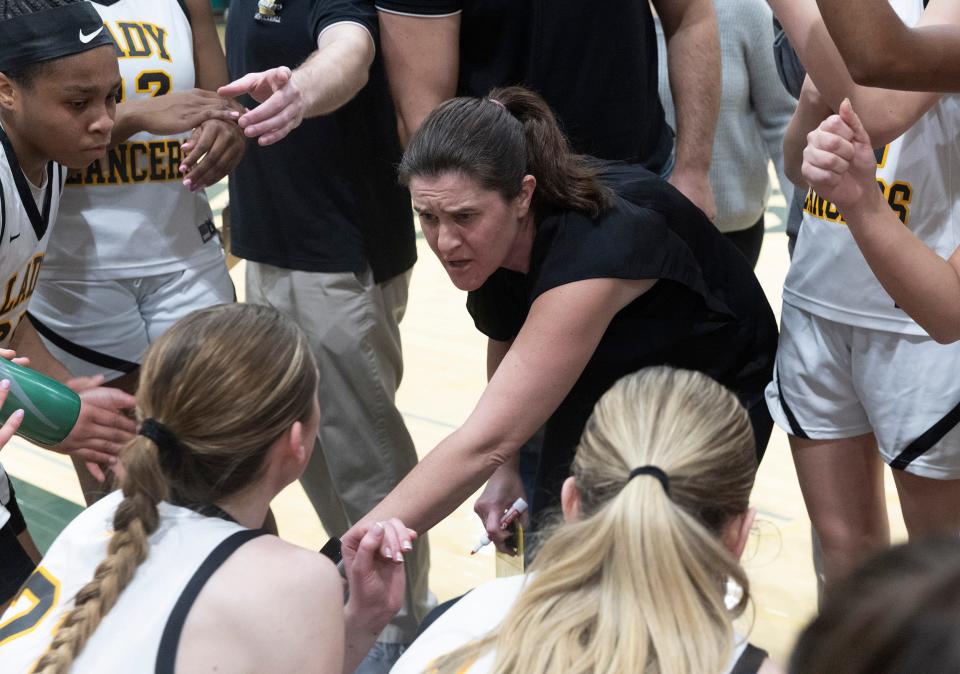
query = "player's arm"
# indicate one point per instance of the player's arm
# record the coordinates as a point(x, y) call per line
point(216, 146)
point(887, 114)
point(839, 164)
point(102, 429)
point(326, 81)
point(881, 51)
point(421, 55)
point(558, 338)
point(210, 65)
point(693, 51)
point(810, 112)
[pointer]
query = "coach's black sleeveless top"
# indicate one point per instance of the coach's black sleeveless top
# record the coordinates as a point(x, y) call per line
point(707, 312)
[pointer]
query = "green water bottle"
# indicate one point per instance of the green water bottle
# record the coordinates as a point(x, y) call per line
point(50, 408)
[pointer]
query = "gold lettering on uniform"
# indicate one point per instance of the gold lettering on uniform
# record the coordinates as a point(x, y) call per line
point(136, 39)
point(137, 175)
point(117, 165)
point(8, 302)
point(133, 162)
point(120, 53)
point(31, 275)
point(35, 272)
point(94, 174)
point(174, 157)
point(156, 161)
point(158, 36)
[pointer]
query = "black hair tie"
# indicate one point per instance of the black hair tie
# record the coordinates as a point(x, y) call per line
point(652, 471)
point(171, 451)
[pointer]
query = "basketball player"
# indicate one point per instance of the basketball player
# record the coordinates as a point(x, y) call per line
point(174, 573)
point(135, 248)
point(855, 374)
point(58, 87)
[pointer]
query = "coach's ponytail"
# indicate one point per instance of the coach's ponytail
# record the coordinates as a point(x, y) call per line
point(499, 139)
point(638, 582)
point(224, 383)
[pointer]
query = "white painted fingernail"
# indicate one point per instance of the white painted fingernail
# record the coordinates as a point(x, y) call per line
point(388, 553)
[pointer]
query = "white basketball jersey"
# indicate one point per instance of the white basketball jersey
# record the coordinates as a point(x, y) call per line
point(141, 632)
point(128, 214)
point(917, 173)
point(27, 214)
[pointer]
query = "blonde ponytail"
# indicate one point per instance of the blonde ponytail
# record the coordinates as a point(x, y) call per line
point(638, 582)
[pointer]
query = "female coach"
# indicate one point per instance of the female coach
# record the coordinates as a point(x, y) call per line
point(579, 273)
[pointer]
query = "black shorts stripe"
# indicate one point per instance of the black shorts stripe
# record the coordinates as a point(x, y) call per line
point(82, 352)
point(170, 641)
point(930, 437)
point(795, 428)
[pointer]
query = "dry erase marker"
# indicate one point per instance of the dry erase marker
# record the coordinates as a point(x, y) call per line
point(509, 517)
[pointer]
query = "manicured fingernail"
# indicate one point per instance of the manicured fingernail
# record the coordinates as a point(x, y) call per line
point(399, 558)
point(183, 168)
point(235, 114)
point(408, 546)
point(188, 184)
point(18, 414)
point(388, 553)
point(5, 384)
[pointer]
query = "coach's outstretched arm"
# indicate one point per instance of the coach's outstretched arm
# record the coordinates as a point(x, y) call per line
point(840, 165)
point(881, 51)
point(327, 80)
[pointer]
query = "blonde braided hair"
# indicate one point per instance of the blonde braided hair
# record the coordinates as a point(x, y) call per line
point(196, 380)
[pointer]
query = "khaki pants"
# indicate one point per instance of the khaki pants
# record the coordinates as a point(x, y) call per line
point(363, 447)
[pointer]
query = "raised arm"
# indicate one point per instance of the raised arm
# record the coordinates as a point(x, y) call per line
point(557, 340)
point(810, 112)
point(840, 165)
point(887, 114)
point(881, 51)
point(421, 55)
point(693, 50)
point(218, 144)
point(326, 81)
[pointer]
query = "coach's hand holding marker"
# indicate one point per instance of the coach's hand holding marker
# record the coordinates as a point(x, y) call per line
point(509, 517)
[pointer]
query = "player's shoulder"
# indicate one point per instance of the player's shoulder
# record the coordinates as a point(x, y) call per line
point(267, 566)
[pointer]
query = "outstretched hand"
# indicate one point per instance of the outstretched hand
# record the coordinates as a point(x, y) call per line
point(214, 150)
point(102, 429)
point(373, 559)
point(282, 104)
point(838, 162)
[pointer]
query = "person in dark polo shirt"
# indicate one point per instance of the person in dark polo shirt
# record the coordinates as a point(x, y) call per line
point(594, 62)
point(328, 237)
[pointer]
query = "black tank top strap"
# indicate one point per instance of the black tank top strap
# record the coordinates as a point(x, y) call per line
point(170, 640)
point(750, 661)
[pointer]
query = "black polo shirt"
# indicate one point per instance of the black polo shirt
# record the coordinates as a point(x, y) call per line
point(594, 61)
point(325, 198)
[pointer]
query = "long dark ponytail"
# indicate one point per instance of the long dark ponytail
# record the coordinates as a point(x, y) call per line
point(499, 139)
